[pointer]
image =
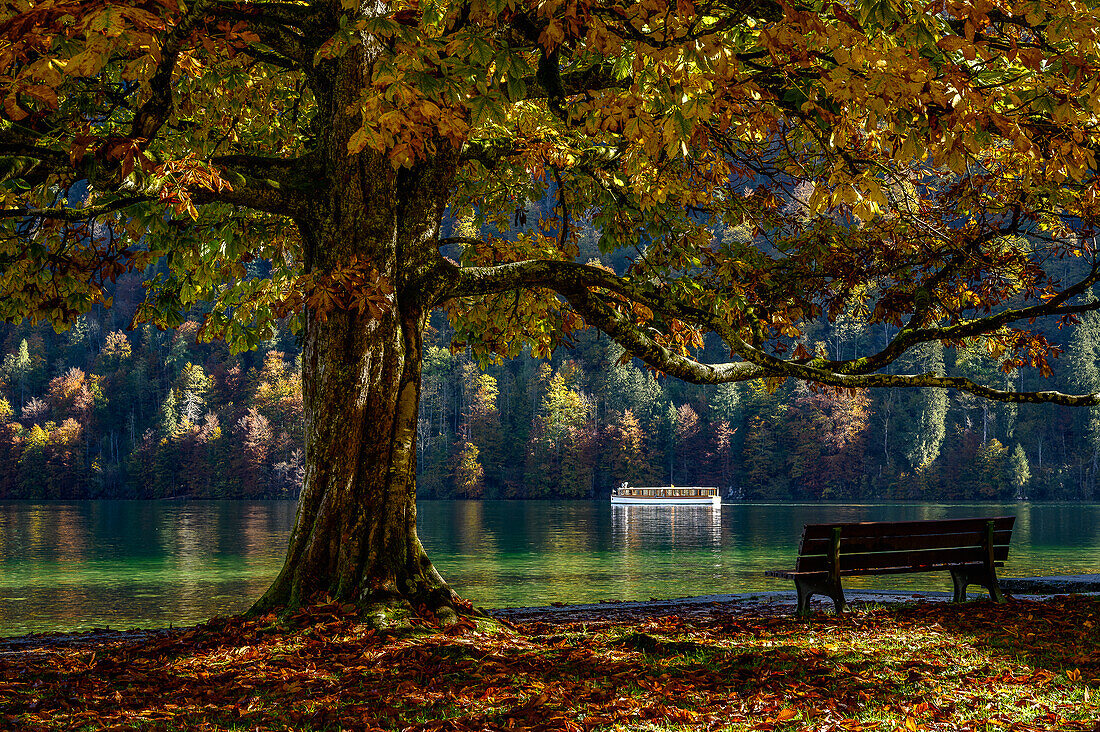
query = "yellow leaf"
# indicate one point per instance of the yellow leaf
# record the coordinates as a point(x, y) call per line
point(785, 714)
point(358, 141)
point(429, 109)
point(86, 63)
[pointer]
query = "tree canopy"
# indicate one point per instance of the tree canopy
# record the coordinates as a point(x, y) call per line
point(920, 165)
point(930, 166)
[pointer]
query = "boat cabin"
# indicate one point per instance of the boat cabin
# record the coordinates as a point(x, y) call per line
point(667, 495)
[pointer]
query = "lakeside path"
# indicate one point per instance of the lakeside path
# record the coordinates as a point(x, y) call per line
point(774, 603)
point(778, 603)
point(728, 663)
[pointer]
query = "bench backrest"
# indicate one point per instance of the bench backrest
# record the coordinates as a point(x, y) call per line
point(873, 545)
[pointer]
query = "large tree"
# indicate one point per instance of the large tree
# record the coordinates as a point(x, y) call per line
point(765, 164)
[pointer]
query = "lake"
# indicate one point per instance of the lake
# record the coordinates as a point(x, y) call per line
point(124, 564)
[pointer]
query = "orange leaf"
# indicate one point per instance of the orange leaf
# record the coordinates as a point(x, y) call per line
point(15, 112)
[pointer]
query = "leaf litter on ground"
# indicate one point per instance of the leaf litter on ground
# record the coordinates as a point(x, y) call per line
point(1025, 665)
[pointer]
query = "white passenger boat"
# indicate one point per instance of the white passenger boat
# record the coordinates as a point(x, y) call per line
point(666, 495)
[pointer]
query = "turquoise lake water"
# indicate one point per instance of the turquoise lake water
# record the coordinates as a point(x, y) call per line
point(123, 564)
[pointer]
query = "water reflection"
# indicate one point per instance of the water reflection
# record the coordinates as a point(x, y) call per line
point(84, 565)
point(638, 526)
point(148, 564)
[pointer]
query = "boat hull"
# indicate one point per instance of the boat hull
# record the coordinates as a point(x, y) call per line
point(714, 501)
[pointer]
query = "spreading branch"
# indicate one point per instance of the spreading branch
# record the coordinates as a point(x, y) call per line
point(275, 185)
point(291, 14)
point(587, 289)
point(152, 115)
point(81, 213)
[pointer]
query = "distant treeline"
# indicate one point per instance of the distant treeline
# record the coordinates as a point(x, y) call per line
point(101, 412)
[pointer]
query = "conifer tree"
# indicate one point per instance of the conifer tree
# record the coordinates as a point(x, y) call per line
point(1084, 373)
point(927, 410)
point(17, 369)
point(1019, 473)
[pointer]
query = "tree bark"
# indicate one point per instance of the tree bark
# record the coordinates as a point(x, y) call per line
point(354, 538)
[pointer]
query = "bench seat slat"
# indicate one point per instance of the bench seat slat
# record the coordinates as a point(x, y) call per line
point(787, 574)
point(900, 558)
point(907, 528)
point(907, 541)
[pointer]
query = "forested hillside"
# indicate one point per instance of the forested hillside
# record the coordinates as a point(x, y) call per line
point(99, 411)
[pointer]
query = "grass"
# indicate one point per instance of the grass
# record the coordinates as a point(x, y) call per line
point(924, 667)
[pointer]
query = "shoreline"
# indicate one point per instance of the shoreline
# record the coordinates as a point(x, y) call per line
point(770, 603)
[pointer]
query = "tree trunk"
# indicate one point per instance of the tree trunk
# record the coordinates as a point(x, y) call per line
point(354, 538)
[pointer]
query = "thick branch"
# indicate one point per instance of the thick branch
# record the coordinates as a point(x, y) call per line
point(262, 166)
point(763, 365)
point(578, 284)
point(62, 213)
point(735, 15)
point(272, 58)
point(594, 78)
point(31, 170)
point(489, 153)
point(558, 275)
point(17, 146)
point(280, 26)
point(639, 344)
point(23, 159)
point(295, 15)
point(158, 107)
point(274, 185)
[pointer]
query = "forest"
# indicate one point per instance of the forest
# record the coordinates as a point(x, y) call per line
point(100, 411)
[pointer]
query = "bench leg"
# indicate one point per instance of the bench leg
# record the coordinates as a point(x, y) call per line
point(994, 588)
point(838, 599)
point(963, 576)
point(959, 583)
point(807, 588)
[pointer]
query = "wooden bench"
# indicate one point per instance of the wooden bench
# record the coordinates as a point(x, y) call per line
point(971, 549)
